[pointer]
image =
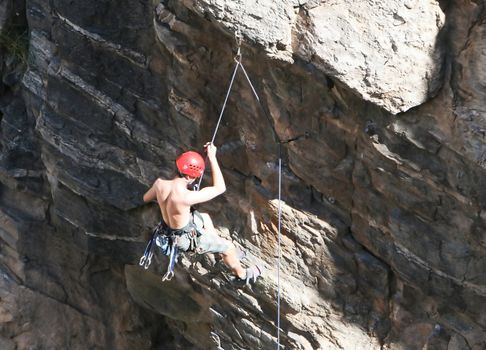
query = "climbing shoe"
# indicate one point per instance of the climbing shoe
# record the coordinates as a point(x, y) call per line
point(252, 273)
point(240, 254)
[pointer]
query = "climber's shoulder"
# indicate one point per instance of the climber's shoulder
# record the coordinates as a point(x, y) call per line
point(161, 183)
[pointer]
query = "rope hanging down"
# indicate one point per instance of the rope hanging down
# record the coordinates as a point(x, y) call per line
point(239, 64)
point(279, 239)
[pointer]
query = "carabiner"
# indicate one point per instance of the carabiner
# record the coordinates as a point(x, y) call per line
point(168, 276)
point(238, 38)
point(148, 261)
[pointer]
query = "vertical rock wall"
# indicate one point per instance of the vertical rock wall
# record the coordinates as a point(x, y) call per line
point(382, 119)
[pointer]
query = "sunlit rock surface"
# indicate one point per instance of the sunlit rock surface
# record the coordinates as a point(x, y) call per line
point(383, 215)
point(388, 52)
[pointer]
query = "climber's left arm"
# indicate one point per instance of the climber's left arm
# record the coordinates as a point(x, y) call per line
point(150, 195)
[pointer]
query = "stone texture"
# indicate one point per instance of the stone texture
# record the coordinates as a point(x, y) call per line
point(4, 15)
point(267, 24)
point(388, 52)
point(383, 217)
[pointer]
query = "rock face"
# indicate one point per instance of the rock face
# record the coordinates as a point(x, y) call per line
point(388, 52)
point(383, 215)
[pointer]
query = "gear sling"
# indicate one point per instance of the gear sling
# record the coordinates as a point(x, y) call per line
point(168, 241)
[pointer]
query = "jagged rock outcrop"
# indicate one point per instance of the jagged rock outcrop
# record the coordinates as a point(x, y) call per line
point(389, 53)
point(383, 215)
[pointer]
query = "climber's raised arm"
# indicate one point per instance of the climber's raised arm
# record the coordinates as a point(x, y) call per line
point(218, 187)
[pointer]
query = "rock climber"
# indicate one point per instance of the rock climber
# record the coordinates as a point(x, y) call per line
point(195, 231)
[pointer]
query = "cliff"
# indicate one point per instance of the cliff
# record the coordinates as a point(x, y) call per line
point(380, 109)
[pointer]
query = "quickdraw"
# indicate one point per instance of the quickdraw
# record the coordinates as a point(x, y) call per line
point(148, 253)
point(167, 240)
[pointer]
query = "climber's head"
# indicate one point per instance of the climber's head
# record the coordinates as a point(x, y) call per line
point(190, 164)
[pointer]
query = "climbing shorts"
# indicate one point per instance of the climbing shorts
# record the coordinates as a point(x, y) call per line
point(205, 242)
point(212, 243)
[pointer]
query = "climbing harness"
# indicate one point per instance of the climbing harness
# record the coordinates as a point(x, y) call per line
point(167, 240)
point(155, 239)
point(166, 246)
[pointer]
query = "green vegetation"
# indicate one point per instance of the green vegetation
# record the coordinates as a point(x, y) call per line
point(15, 43)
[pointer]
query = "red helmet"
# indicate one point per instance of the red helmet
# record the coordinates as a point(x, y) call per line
point(191, 164)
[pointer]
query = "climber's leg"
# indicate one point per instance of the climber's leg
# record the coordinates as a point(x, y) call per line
point(211, 242)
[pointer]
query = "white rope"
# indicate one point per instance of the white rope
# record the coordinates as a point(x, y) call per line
point(279, 253)
point(225, 100)
point(221, 114)
point(249, 81)
point(279, 242)
point(239, 64)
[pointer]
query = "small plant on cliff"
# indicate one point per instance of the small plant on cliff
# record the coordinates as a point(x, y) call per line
point(15, 43)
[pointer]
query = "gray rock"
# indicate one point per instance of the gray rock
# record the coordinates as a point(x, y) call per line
point(383, 218)
point(388, 53)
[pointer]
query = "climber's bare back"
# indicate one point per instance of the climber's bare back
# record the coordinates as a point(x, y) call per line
point(175, 200)
point(172, 198)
